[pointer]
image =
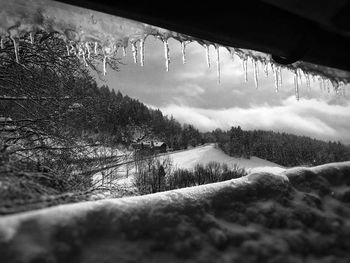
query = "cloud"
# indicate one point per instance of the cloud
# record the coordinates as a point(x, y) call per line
point(310, 117)
point(189, 89)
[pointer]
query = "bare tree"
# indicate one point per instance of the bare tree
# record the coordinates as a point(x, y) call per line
point(40, 102)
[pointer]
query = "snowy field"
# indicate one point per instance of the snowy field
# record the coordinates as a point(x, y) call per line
point(204, 154)
point(299, 215)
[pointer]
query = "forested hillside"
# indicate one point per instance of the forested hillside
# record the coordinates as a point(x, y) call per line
point(282, 148)
point(111, 118)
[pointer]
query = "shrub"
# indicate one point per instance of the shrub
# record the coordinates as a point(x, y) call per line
point(146, 181)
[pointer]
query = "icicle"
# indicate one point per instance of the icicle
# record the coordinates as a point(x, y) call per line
point(337, 91)
point(335, 85)
point(217, 62)
point(266, 69)
point(83, 54)
point(256, 74)
point(31, 38)
point(307, 76)
point(183, 51)
point(324, 84)
point(320, 83)
point(80, 51)
point(142, 51)
point(328, 86)
point(88, 49)
point(104, 65)
point(232, 53)
point(300, 75)
point(134, 51)
point(95, 48)
point(275, 76)
point(124, 51)
point(340, 88)
point(207, 55)
point(166, 54)
point(296, 84)
point(245, 70)
point(2, 43)
point(15, 45)
point(279, 76)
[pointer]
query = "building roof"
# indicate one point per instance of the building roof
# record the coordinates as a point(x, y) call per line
point(158, 144)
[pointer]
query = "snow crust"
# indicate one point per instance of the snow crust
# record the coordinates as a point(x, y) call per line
point(299, 215)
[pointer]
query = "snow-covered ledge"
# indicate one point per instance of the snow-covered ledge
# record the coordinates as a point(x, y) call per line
point(300, 213)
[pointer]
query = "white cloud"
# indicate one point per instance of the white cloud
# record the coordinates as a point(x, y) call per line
point(189, 89)
point(307, 117)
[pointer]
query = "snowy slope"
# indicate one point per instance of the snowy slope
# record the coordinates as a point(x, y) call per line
point(189, 158)
point(207, 153)
point(300, 215)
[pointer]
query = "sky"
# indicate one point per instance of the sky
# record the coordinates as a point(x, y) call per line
point(191, 94)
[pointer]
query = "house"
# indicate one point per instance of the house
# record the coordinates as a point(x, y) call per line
point(160, 147)
point(154, 146)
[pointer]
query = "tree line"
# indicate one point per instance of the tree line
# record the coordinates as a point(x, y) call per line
point(282, 148)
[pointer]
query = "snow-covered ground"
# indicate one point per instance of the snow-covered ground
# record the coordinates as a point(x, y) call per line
point(299, 215)
point(187, 159)
point(123, 175)
point(207, 153)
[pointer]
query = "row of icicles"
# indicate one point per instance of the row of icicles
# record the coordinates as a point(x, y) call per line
point(84, 51)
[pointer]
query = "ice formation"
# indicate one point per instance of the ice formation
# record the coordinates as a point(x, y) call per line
point(183, 51)
point(95, 48)
point(266, 68)
point(276, 78)
point(256, 74)
point(232, 53)
point(207, 54)
point(217, 62)
point(82, 28)
point(296, 84)
point(166, 54)
point(104, 65)
point(280, 76)
point(142, 51)
point(245, 68)
point(134, 51)
point(87, 46)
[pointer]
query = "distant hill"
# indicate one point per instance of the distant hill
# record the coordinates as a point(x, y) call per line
point(285, 149)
